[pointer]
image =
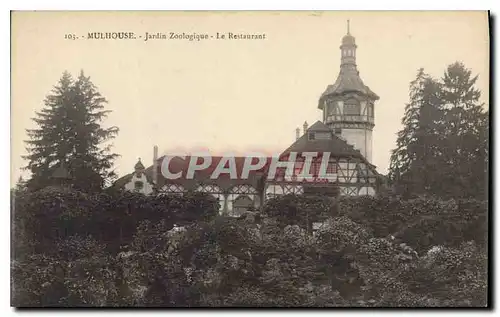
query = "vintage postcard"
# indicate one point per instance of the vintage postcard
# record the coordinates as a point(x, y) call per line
point(250, 159)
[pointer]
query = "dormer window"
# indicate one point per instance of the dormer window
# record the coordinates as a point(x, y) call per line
point(323, 135)
point(138, 185)
point(319, 135)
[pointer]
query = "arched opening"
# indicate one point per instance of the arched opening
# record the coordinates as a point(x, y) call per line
point(242, 204)
point(236, 193)
point(215, 191)
point(273, 191)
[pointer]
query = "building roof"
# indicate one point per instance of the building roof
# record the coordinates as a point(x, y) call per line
point(127, 178)
point(139, 165)
point(348, 39)
point(347, 81)
point(335, 145)
point(178, 164)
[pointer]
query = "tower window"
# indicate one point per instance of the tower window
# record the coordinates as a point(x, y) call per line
point(352, 107)
point(370, 110)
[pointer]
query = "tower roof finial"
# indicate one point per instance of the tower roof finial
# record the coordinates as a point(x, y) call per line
point(138, 165)
point(348, 29)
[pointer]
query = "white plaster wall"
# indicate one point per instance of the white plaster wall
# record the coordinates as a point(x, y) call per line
point(357, 137)
point(367, 191)
point(347, 172)
point(146, 189)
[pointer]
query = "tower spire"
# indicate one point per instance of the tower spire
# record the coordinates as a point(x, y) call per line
point(348, 49)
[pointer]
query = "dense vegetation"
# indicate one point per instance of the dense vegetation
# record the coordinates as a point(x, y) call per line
point(443, 146)
point(70, 134)
point(125, 249)
point(422, 243)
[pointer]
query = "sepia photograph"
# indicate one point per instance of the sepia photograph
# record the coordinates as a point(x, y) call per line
point(168, 159)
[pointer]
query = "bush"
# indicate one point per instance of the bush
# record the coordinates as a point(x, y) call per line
point(126, 249)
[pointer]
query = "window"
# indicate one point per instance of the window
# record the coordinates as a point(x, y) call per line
point(240, 197)
point(331, 168)
point(293, 189)
point(315, 168)
point(241, 204)
point(138, 185)
point(211, 189)
point(332, 107)
point(323, 135)
point(243, 189)
point(352, 107)
point(273, 191)
point(215, 191)
point(338, 131)
point(172, 189)
point(280, 174)
point(370, 110)
point(298, 168)
point(311, 136)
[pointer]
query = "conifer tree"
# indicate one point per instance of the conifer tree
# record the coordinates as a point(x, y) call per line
point(401, 158)
point(69, 133)
point(20, 185)
point(442, 149)
point(465, 131)
point(412, 167)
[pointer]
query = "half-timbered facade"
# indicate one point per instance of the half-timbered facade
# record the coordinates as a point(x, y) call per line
point(348, 173)
point(343, 138)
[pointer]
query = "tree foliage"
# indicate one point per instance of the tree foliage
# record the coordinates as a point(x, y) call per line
point(69, 133)
point(442, 149)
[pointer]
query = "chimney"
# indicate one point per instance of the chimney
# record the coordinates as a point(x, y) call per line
point(305, 127)
point(155, 164)
point(297, 134)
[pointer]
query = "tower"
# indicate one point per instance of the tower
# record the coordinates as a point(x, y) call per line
point(348, 105)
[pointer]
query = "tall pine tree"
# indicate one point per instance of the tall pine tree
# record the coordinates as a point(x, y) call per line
point(70, 134)
point(413, 163)
point(442, 149)
point(465, 127)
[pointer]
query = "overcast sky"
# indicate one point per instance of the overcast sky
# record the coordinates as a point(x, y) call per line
point(237, 95)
